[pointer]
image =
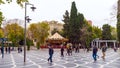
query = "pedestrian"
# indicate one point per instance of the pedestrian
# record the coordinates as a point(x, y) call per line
point(51, 51)
point(18, 49)
point(95, 50)
point(2, 51)
point(115, 49)
point(76, 48)
point(6, 49)
point(62, 51)
point(68, 49)
point(104, 48)
point(9, 49)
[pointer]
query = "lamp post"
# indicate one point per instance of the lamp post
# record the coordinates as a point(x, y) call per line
point(27, 19)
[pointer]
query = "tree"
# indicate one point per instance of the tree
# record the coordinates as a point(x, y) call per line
point(1, 18)
point(106, 32)
point(81, 20)
point(74, 25)
point(118, 21)
point(97, 32)
point(66, 21)
point(39, 31)
point(1, 33)
point(87, 34)
point(118, 31)
point(113, 33)
point(29, 43)
point(14, 32)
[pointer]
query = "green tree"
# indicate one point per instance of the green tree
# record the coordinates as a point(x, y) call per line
point(66, 21)
point(118, 21)
point(118, 31)
point(14, 32)
point(81, 20)
point(74, 25)
point(106, 32)
point(29, 43)
point(97, 32)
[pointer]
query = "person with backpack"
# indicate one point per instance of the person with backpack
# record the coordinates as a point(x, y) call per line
point(104, 48)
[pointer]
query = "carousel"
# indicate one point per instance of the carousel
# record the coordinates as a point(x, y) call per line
point(56, 39)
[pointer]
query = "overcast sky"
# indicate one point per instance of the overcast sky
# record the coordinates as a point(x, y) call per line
point(98, 11)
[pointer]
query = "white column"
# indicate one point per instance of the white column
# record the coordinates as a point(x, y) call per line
point(92, 44)
point(97, 44)
point(114, 45)
point(106, 44)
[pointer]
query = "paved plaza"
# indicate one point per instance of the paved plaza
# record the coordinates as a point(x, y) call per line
point(38, 59)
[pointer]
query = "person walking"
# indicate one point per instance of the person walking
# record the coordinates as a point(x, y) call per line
point(115, 49)
point(95, 50)
point(51, 51)
point(104, 48)
point(68, 49)
point(2, 52)
point(6, 49)
point(9, 49)
point(62, 51)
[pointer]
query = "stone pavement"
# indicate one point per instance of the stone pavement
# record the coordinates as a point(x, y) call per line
point(38, 59)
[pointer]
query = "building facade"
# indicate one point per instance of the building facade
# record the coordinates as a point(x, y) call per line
point(54, 25)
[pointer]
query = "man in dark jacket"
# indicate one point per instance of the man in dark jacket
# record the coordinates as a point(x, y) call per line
point(62, 51)
point(95, 49)
point(51, 51)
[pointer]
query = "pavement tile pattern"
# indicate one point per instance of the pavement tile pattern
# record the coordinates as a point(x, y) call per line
point(38, 59)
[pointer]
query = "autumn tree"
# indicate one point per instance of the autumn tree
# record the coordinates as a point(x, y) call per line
point(39, 31)
point(97, 32)
point(86, 34)
point(1, 33)
point(14, 32)
point(1, 18)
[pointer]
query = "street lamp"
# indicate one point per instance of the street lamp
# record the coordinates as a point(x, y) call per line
point(27, 19)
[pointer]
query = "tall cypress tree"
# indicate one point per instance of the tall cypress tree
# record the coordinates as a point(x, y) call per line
point(74, 25)
point(81, 21)
point(66, 21)
point(118, 22)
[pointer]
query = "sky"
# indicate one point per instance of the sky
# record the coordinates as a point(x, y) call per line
point(98, 11)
